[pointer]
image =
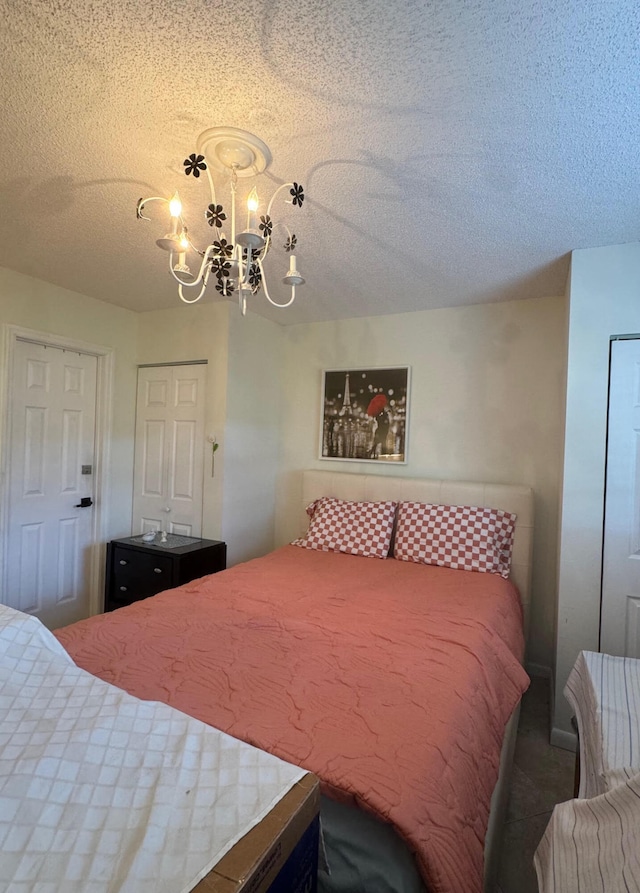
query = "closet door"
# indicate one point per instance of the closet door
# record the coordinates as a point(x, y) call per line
point(620, 623)
point(169, 449)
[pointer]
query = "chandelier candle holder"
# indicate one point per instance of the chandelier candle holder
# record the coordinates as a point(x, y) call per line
point(235, 256)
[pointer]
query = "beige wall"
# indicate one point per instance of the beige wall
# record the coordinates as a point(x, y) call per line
point(486, 404)
point(255, 395)
point(604, 301)
point(34, 304)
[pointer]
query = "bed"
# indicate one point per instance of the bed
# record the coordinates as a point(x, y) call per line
point(397, 683)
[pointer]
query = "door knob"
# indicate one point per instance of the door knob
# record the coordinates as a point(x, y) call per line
point(84, 503)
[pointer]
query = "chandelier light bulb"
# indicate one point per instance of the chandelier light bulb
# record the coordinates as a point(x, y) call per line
point(252, 207)
point(234, 260)
point(252, 201)
point(175, 206)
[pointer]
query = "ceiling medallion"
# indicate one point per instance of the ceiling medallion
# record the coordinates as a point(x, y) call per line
point(235, 256)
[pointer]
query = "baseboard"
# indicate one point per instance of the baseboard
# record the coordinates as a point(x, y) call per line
point(538, 670)
point(566, 740)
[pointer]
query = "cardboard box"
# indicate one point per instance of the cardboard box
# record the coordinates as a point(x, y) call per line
point(279, 855)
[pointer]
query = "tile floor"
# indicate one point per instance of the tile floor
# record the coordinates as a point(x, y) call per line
point(542, 776)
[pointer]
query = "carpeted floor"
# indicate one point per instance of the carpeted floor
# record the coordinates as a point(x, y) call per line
point(542, 776)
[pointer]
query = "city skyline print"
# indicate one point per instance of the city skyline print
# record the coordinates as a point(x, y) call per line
point(364, 414)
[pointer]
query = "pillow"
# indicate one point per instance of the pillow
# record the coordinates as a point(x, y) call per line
point(462, 537)
point(356, 528)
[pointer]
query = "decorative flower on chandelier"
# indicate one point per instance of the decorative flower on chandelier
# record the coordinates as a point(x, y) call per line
point(215, 216)
point(223, 248)
point(298, 194)
point(266, 226)
point(236, 256)
point(194, 164)
point(225, 288)
point(255, 278)
point(221, 267)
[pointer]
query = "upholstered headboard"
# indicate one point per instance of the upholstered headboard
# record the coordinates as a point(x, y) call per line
point(369, 487)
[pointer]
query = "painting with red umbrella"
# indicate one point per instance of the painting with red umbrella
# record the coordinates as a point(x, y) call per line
point(364, 414)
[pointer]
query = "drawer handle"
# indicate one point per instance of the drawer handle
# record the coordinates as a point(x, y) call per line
point(122, 561)
point(123, 589)
point(157, 570)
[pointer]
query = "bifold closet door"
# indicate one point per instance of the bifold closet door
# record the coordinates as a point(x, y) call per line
point(620, 621)
point(169, 449)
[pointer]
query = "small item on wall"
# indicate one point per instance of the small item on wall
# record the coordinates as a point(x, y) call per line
point(365, 414)
point(214, 446)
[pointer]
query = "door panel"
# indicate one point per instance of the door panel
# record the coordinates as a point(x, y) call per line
point(621, 554)
point(34, 445)
point(152, 458)
point(183, 469)
point(52, 419)
point(28, 591)
point(169, 450)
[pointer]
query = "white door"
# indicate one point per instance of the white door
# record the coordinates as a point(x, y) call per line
point(620, 625)
point(52, 434)
point(169, 449)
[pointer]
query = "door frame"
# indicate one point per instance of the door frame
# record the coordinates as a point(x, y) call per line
point(104, 391)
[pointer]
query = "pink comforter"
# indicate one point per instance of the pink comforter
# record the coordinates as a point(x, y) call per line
point(391, 681)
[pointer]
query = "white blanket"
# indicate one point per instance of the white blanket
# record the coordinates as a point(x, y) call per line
point(102, 792)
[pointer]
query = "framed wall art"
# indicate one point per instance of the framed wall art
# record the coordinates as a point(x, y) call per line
point(364, 414)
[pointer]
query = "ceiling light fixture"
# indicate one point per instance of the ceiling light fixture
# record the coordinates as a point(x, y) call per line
point(235, 256)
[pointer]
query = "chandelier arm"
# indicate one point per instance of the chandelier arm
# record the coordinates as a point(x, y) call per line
point(266, 290)
point(236, 257)
point(244, 271)
point(145, 201)
point(212, 191)
point(212, 187)
point(278, 190)
point(233, 206)
point(191, 300)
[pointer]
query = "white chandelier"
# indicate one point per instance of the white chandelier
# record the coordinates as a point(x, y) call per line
point(236, 254)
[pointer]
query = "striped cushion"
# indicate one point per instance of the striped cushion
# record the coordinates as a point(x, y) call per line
point(462, 537)
point(356, 528)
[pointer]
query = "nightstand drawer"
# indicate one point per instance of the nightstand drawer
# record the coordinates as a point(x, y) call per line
point(139, 570)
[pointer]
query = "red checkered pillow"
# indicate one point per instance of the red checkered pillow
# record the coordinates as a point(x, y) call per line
point(357, 528)
point(462, 537)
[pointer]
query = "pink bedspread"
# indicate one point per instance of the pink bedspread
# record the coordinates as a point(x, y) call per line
point(391, 681)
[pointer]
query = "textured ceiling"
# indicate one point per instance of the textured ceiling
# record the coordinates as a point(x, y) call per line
point(451, 152)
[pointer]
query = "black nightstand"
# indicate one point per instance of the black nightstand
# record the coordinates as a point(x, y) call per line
point(136, 570)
